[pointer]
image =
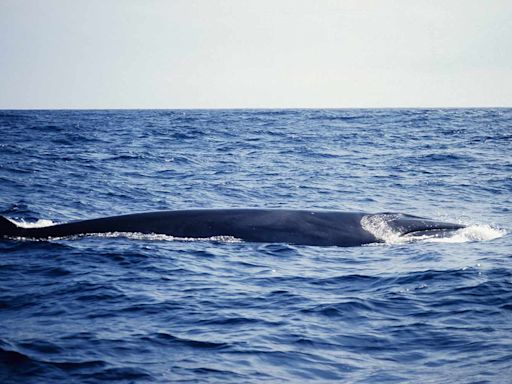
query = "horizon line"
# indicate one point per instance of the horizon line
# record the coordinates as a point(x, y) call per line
point(236, 108)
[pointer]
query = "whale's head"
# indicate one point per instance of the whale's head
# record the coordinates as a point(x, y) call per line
point(419, 226)
point(385, 226)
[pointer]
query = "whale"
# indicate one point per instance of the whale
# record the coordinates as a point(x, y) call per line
point(298, 227)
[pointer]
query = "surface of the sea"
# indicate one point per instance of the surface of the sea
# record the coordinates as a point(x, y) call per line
point(153, 309)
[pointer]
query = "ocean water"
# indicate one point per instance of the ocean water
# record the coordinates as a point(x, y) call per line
point(131, 308)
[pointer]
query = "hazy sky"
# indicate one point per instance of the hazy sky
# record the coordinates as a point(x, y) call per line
point(226, 54)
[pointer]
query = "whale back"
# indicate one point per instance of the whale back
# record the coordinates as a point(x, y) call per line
point(301, 227)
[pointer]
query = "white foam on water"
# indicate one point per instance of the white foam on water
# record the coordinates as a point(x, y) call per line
point(160, 237)
point(129, 235)
point(378, 225)
point(36, 224)
point(147, 236)
point(476, 232)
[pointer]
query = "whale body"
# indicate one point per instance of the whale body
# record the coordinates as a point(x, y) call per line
point(301, 227)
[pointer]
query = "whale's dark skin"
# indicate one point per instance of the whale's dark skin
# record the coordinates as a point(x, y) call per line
point(323, 228)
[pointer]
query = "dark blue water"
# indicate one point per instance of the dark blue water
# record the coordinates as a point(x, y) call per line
point(135, 309)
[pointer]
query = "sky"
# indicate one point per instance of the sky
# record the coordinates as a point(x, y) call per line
point(255, 54)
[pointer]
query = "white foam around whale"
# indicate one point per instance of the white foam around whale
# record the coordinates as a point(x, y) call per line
point(378, 225)
point(36, 224)
point(476, 232)
point(160, 237)
point(129, 235)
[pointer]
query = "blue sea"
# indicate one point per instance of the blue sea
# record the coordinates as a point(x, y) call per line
point(133, 308)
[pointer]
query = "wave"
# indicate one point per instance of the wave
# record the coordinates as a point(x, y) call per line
point(22, 366)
